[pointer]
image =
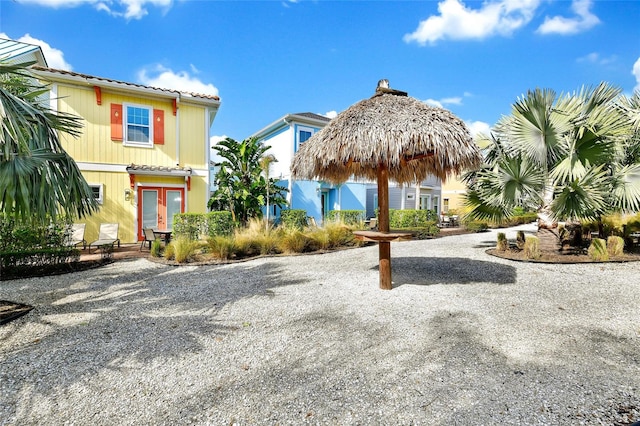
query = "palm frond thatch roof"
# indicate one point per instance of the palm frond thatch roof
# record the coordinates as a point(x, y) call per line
point(408, 137)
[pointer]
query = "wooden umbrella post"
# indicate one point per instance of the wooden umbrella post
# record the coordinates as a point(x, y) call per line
point(383, 226)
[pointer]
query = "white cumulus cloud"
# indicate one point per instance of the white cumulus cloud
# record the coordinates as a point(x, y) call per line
point(53, 56)
point(434, 103)
point(459, 22)
point(582, 21)
point(165, 78)
point(478, 127)
point(128, 9)
point(331, 114)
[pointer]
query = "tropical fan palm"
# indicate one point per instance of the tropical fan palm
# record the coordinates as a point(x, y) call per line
point(569, 156)
point(38, 179)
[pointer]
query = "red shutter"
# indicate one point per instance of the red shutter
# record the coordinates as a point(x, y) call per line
point(158, 126)
point(116, 122)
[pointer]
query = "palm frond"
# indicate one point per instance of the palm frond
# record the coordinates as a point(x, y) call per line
point(584, 198)
point(626, 189)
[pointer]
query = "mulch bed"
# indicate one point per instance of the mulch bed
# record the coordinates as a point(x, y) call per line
point(28, 271)
point(560, 256)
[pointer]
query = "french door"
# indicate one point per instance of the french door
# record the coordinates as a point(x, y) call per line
point(156, 207)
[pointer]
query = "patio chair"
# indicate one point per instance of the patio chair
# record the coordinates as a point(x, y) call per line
point(76, 235)
point(149, 237)
point(108, 236)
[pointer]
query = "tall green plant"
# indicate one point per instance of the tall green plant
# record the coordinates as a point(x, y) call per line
point(241, 187)
point(38, 179)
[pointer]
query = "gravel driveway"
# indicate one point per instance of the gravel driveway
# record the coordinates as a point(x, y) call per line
point(463, 338)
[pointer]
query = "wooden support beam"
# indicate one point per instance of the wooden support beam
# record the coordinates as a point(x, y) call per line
point(383, 226)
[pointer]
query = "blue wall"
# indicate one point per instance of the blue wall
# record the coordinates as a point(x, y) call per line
point(305, 196)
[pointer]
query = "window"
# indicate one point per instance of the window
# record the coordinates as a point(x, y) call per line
point(96, 188)
point(138, 129)
point(445, 205)
point(304, 133)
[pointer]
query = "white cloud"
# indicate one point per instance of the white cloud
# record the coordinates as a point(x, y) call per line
point(452, 101)
point(213, 141)
point(54, 57)
point(331, 114)
point(583, 20)
point(595, 58)
point(434, 103)
point(161, 77)
point(440, 103)
point(129, 9)
point(478, 127)
point(458, 22)
point(636, 72)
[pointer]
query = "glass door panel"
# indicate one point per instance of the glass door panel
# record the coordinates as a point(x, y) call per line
point(149, 208)
point(174, 205)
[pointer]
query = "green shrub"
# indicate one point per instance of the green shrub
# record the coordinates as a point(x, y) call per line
point(520, 240)
point(219, 223)
point(502, 243)
point(39, 257)
point(598, 250)
point(532, 247)
point(156, 248)
point(429, 231)
point(348, 217)
point(519, 219)
point(294, 218)
point(222, 246)
point(615, 246)
point(476, 226)
point(399, 219)
point(188, 225)
point(26, 235)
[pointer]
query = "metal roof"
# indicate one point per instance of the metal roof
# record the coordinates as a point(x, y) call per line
point(123, 85)
point(16, 51)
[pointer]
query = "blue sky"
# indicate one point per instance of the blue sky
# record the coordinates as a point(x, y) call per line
point(267, 58)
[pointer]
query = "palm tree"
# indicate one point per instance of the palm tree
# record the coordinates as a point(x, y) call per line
point(566, 156)
point(39, 181)
point(241, 185)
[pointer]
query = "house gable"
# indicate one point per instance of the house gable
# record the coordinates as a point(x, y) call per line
point(15, 52)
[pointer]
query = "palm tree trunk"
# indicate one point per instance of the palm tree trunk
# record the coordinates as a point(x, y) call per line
point(545, 217)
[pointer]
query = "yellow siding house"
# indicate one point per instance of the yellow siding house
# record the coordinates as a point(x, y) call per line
point(143, 150)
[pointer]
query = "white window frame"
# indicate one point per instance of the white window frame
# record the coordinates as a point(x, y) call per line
point(100, 187)
point(125, 124)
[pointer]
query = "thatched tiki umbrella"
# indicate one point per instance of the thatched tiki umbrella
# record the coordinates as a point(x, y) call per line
point(389, 136)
